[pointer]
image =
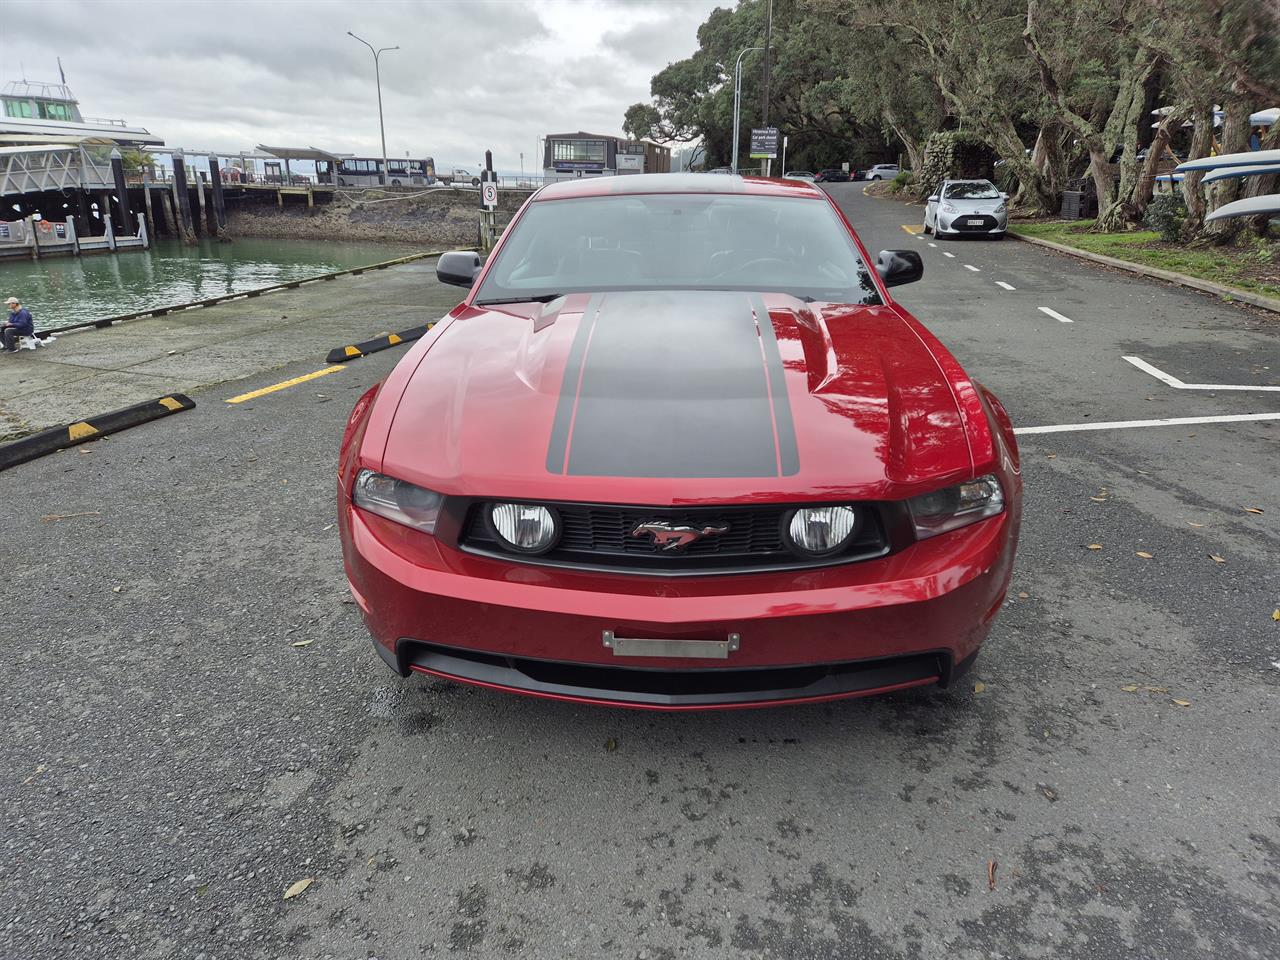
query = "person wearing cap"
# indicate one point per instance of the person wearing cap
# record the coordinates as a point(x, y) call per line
point(18, 324)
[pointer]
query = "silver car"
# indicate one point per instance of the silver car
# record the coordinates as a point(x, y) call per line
point(883, 171)
point(966, 206)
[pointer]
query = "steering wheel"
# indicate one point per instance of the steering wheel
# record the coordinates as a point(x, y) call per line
point(751, 265)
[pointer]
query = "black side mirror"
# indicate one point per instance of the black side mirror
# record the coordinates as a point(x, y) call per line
point(897, 267)
point(1004, 196)
point(458, 267)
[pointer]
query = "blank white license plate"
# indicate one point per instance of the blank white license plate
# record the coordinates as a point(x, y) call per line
point(974, 223)
point(692, 649)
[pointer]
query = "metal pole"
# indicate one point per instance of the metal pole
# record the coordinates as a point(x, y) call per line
point(737, 102)
point(768, 39)
point(377, 73)
point(784, 156)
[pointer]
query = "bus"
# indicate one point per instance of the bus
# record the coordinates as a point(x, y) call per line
point(367, 172)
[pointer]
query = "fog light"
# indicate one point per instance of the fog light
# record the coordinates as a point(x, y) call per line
point(817, 531)
point(524, 527)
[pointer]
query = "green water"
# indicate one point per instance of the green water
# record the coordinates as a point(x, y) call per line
point(64, 290)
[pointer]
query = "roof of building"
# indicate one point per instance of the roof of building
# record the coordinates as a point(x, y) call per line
point(583, 135)
point(300, 153)
point(648, 183)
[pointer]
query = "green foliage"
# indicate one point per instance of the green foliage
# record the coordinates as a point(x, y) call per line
point(1165, 214)
point(945, 156)
point(904, 179)
point(134, 160)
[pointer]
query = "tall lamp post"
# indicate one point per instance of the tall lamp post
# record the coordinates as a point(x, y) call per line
point(737, 101)
point(377, 73)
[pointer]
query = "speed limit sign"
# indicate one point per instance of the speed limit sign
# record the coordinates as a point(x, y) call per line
point(489, 194)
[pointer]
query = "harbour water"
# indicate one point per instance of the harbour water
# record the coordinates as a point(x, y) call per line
point(65, 290)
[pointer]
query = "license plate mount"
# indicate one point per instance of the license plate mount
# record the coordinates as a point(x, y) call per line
point(683, 649)
point(974, 222)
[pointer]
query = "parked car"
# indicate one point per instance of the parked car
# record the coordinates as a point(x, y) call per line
point(799, 175)
point(832, 175)
point(459, 175)
point(966, 207)
point(679, 448)
point(882, 171)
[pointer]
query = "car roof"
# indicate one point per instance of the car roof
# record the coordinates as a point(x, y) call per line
point(649, 183)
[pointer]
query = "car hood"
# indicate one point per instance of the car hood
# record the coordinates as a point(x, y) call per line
point(975, 206)
point(677, 397)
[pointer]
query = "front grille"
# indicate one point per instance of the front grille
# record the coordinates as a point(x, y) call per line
point(962, 222)
point(598, 536)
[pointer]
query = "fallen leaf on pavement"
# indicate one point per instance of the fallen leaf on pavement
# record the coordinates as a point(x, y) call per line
point(1252, 509)
point(1190, 524)
point(1182, 703)
point(1276, 615)
point(298, 888)
point(1050, 794)
point(1094, 546)
point(1098, 499)
point(303, 643)
point(1023, 595)
point(1144, 555)
point(1129, 687)
point(991, 874)
point(979, 687)
point(1217, 559)
point(611, 744)
point(55, 517)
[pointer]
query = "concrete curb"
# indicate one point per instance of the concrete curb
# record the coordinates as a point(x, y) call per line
point(351, 351)
point(59, 438)
point(1181, 279)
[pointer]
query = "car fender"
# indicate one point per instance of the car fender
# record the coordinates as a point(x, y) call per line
point(353, 437)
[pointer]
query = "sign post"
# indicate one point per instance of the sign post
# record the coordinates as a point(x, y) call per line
point(783, 171)
point(764, 143)
point(488, 203)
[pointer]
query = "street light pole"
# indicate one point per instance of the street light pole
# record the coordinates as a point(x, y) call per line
point(737, 101)
point(377, 73)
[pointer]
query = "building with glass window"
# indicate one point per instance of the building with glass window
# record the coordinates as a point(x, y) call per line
point(585, 154)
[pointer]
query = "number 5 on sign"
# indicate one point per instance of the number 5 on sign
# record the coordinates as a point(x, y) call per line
point(489, 195)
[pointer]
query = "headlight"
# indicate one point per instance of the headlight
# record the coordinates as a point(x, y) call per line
point(1002, 209)
point(524, 527)
point(819, 531)
point(952, 507)
point(397, 500)
point(948, 208)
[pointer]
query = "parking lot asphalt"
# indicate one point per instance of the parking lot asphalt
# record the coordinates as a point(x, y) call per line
point(195, 721)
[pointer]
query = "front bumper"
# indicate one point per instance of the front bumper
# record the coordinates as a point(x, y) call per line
point(956, 224)
point(913, 618)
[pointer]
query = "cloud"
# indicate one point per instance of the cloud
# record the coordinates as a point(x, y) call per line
point(469, 75)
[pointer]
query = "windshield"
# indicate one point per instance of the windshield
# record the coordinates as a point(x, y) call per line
point(972, 190)
point(679, 242)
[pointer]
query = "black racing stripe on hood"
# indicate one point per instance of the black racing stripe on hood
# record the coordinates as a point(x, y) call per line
point(673, 384)
point(788, 454)
point(559, 445)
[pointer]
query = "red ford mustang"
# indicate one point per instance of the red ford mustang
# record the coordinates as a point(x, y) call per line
point(678, 448)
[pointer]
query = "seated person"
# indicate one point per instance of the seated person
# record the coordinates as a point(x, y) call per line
point(18, 324)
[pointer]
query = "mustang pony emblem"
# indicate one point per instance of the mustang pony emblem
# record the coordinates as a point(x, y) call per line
point(670, 536)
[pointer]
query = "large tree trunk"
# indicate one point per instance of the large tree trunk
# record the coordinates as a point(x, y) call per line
point(1146, 184)
point(1201, 143)
point(1122, 131)
point(915, 150)
point(1235, 137)
point(1261, 186)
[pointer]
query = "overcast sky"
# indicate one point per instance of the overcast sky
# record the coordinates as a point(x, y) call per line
point(469, 74)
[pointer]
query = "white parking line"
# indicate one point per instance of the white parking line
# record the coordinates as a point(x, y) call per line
point(1007, 286)
point(951, 255)
point(1126, 424)
point(933, 245)
point(969, 266)
point(1055, 314)
point(1177, 384)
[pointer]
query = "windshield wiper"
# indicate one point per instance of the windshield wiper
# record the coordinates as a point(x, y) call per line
point(535, 298)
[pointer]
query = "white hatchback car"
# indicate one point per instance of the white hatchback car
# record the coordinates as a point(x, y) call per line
point(882, 171)
point(966, 207)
